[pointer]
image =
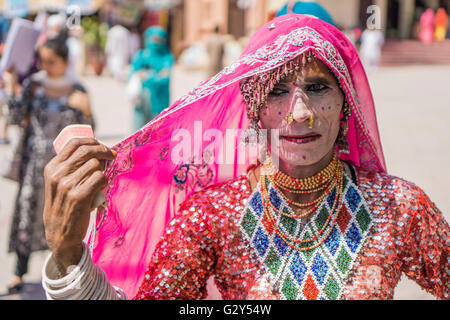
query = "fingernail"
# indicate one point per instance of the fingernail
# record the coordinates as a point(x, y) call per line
point(114, 152)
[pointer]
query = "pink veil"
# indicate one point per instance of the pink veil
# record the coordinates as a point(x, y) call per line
point(146, 185)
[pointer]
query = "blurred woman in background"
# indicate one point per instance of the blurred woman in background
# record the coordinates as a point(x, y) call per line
point(152, 65)
point(47, 102)
point(426, 26)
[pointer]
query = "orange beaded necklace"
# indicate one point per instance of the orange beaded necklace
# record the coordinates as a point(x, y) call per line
point(330, 178)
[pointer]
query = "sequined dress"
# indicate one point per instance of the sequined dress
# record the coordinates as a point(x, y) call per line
point(385, 227)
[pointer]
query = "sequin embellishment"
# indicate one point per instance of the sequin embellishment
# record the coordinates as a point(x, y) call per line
point(319, 273)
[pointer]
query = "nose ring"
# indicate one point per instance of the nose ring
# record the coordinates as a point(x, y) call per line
point(311, 121)
point(289, 118)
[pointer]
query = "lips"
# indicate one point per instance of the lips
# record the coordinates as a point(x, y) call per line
point(302, 139)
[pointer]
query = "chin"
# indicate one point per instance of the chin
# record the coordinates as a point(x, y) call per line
point(304, 159)
point(302, 155)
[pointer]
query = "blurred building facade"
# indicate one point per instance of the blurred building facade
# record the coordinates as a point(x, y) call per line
point(190, 21)
point(397, 16)
point(193, 19)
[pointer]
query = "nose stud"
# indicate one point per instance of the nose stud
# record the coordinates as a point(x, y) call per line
point(311, 121)
point(289, 118)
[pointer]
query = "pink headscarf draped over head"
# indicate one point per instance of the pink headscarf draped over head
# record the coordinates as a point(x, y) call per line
point(146, 183)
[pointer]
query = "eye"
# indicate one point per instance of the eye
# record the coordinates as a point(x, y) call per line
point(316, 88)
point(278, 91)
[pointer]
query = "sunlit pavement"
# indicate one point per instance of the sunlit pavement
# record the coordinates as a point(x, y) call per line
point(413, 113)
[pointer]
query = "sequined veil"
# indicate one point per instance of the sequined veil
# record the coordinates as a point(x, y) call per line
point(146, 186)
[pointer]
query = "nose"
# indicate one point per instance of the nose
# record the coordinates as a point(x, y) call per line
point(300, 110)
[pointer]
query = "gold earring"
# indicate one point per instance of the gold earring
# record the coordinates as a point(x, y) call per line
point(311, 121)
point(289, 118)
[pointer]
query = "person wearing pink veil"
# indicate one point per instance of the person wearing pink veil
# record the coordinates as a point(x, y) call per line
point(427, 26)
point(268, 177)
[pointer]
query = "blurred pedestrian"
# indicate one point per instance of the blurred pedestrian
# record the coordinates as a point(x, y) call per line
point(134, 42)
point(416, 25)
point(308, 7)
point(51, 27)
point(372, 41)
point(77, 56)
point(49, 101)
point(441, 24)
point(232, 49)
point(426, 26)
point(152, 65)
point(4, 27)
point(117, 51)
point(216, 47)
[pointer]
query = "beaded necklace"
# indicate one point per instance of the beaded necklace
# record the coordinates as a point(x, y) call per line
point(312, 260)
point(315, 183)
point(291, 241)
point(324, 180)
point(311, 203)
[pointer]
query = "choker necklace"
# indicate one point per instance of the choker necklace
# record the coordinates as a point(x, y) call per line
point(317, 182)
point(331, 178)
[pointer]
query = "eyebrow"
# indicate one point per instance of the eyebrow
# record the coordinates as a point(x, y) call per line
point(318, 79)
point(313, 79)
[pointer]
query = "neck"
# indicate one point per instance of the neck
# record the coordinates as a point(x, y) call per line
point(304, 171)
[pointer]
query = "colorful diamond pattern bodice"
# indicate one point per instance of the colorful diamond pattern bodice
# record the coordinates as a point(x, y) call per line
point(318, 273)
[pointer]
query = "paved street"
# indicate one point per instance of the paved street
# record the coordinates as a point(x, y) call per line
point(413, 113)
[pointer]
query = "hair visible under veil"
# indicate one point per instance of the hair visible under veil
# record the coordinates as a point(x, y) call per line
point(145, 187)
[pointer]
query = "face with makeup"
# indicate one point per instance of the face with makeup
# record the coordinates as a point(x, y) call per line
point(313, 93)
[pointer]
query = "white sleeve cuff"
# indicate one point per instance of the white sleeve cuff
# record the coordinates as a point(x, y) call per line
point(85, 281)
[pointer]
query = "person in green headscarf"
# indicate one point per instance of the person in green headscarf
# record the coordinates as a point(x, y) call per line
point(153, 64)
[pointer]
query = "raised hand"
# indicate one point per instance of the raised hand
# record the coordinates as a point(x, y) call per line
point(72, 179)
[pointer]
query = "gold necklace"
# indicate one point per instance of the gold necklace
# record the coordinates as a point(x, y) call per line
point(306, 204)
point(314, 204)
point(292, 242)
point(316, 183)
point(336, 203)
